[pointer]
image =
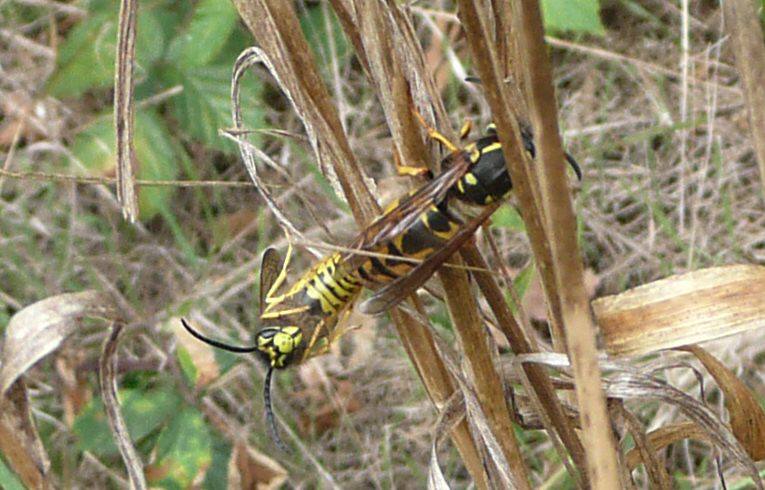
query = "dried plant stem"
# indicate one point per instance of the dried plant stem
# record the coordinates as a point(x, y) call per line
point(742, 21)
point(480, 370)
point(550, 406)
point(602, 464)
point(274, 24)
point(123, 109)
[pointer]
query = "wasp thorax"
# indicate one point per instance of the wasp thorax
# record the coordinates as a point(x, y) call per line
point(279, 343)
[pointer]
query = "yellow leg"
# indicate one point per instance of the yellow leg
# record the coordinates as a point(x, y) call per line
point(435, 135)
point(270, 296)
point(408, 170)
point(315, 336)
point(467, 125)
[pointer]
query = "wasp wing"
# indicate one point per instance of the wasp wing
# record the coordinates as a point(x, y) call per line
point(407, 212)
point(396, 291)
point(270, 266)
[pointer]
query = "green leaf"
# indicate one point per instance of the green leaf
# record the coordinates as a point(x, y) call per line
point(144, 412)
point(94, 148)
point(183, 450)
point(157, 159)
point(324, 34)
point(8, 480)
point(204, 105)
point(522, 281)
point(217, 475)
point(573, 15)
point(200, 42)
point(189, 370)
point(86, 58)
point(507, 217)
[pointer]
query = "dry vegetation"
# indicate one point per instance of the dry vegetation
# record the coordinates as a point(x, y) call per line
point(670, 185)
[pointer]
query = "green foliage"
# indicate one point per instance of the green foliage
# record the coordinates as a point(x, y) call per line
point(507, 217)
point(95, 149)
point(324, 34)
point(178, 45)
point(145, 411)
point(189, 370)
point(86, 59)
point(183, 450)
point(582, 16)
point(8, 480)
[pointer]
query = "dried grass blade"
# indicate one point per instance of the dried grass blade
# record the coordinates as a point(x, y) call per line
point(451, 414)
point(630, 383)
point(398, 74)
point(747, 419)
point(40, 328)
point(108, 379)
point(550, 409)
point(248, 152)
point(560, 227)
point(657, 474)
point(123, 109)
point(743, 22)
point(684, 309)
point(20, 442)
point(481, 374)
point(275, 25)
point(663, 437)
point(499, 470)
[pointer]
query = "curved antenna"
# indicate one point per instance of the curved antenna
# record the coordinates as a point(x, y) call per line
point(216, 343)
point(270, 417)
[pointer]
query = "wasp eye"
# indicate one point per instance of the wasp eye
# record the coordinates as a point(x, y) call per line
point(279, 344)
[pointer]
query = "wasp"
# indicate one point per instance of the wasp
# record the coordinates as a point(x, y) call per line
point(302, 320)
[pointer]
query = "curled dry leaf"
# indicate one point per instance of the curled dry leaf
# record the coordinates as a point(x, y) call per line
point(684, 309)
point(451, 413)
point(747, 419)
point(664, 436)
point(19, 441)
point(39, 329)
point(249, 468)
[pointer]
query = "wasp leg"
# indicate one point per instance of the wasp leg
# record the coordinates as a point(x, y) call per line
point(270, 296)
point(467, 126)
point(311, 348)
point(410, 170)
point(434, 134)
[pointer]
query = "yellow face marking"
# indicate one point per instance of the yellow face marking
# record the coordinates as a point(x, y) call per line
point(279, 343)
point(286, 340)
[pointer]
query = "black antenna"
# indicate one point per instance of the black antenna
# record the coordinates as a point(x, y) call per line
point(575, 165)
point(270, 417)
point(215, 343)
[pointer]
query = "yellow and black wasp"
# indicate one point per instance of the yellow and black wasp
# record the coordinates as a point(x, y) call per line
point(302, 320)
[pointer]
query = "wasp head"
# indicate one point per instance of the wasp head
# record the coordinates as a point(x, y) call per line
point(279, 344)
